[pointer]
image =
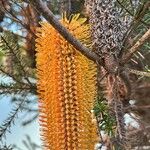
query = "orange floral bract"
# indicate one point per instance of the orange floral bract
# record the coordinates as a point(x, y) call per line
point(66, 88)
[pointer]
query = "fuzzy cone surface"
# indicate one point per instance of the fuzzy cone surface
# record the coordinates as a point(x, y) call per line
point(66, 88)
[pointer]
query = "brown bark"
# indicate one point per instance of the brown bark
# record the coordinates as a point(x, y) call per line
point(136, 46)
point(49, 16)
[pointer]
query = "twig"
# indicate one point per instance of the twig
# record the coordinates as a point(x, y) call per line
point(11, 76)
point(137, 72)
point(135, 22)
point(16, 19)
point(42, 8)
point(10, 120)
point(18, 60)
point(137, 108)
point(101, 79)
point(12, 89)
point(131, 133)
point(136, 47)
point(5, 30)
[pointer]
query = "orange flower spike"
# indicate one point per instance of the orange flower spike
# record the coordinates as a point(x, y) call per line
point(66, 87)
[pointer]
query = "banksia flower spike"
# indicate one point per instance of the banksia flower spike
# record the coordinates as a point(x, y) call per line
point(66, 88)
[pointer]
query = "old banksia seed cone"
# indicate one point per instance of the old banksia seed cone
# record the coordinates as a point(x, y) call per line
point(66, 88)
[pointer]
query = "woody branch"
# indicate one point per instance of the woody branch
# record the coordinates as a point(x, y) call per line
point(42, 8)
point(136, 46)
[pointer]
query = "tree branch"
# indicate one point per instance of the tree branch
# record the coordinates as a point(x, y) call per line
point(136, 47)
point(42, 8)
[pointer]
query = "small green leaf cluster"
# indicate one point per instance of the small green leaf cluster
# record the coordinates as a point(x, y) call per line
point(105, 121)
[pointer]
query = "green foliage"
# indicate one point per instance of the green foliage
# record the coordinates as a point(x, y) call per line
point(14, 89)
point(19, 85)
point(105, 120)
point(1, 56)
point(10, 45)
point(18, 69)
point(6, 125)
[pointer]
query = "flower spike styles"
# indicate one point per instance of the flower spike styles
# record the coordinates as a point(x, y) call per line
point(66, 88)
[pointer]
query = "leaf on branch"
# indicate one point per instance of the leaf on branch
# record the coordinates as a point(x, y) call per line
point(6, 125)
point(17, 62)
